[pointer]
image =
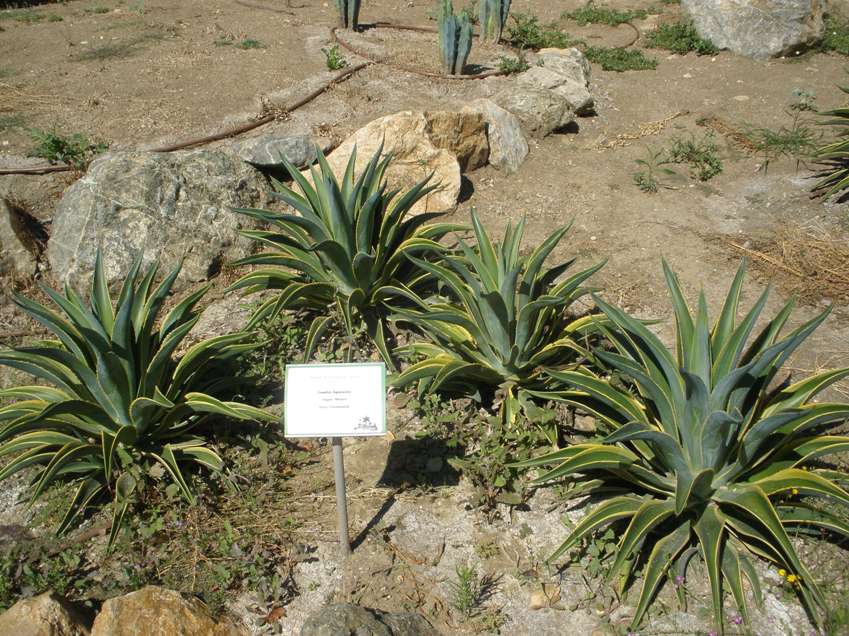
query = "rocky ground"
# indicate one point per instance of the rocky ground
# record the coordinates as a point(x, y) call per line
point(145, 74)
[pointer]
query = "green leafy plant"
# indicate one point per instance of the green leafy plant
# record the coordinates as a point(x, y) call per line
point(527, 33)
point(349, 13)
point(700, 154)
point(681, 38)
point(834, 175)
point(648, 177)
point(76, 149)
point(620, 60)
point(455, 38)
point(708, 455)
point(835, 36)
point(250, 43)
point(513, 65)
point(492, 16)
point(502, 319)
point(333, 58)
point(594, 14)
point(347, 246)
point(796, 141)
point(465, 591)
point(117, 406)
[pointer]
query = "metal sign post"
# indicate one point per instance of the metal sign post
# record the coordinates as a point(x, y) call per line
point(341, 499)
point(335, 401)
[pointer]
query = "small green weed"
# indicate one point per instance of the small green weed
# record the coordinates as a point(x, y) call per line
point(836, 36)
point(119, 49)
point(513, 65)
point(333, 58)
point(26, 16)
point(648, 178)
point(249, 43)
point(527, 33)
point(96, 10)
point(76, 149)
point(681, 38)
point(796, 141)
point(620, 60)
point(593, 14)
point(700, 154)
point(466, 591)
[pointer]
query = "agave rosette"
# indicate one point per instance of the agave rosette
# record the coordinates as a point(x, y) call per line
point(706, 455)
point(348, 244)
point(116, 401)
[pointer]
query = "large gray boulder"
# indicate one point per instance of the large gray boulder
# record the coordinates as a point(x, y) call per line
point(540, 110)
point(758, 28)
point(265, 151)
point(507, 145)
point(345, 619)
point(162, 206)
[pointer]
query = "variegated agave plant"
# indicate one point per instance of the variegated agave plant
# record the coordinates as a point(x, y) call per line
point(347, 246)
point(707, 455)
point(502, 319)
point(117, 402)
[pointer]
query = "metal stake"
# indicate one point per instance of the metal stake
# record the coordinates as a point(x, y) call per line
point(341, 500)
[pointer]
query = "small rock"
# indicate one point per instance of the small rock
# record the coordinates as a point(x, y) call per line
point(741, 98)
point(586, 424)
point(538, 600)
point(44, 615)
point(540, 110)
point(16, 259)
point(155, 611)
point(265, 151)
point(345, 619)
point(507, 145)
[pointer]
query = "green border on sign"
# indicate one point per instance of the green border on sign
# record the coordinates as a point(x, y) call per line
point(336, 365)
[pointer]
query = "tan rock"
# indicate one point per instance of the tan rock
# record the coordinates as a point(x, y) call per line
point(155, 611)
point(463, 134)
point(421, 143)
point(45, 615)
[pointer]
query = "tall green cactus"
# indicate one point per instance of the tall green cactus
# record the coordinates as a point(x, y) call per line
point(455, 38)
point(349, 13)
point(492, 18)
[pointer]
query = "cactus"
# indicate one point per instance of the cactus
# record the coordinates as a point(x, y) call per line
point(492, 18)
point(455, 38)
point(349, 13)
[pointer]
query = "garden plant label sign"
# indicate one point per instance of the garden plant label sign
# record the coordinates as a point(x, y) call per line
point(335, 400)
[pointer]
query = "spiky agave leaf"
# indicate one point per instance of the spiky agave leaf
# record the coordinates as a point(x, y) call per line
point(502, 319)
point(705, 455)
point(834, 156)
point(119, 401)
point(347, 245)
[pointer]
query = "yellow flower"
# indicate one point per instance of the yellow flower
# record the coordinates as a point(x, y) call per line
point(782, 573)
point(795, 491)
point(792, 579)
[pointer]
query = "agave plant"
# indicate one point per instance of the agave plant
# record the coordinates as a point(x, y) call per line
point(349, 13)
point(455, 38)
point(503, 320)
point(707, 456)
point(348, 247)
point(116, 402)
point(492, 16)
point(834, 176)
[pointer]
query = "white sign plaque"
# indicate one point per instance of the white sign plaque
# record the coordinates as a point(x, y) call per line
point(335, 400)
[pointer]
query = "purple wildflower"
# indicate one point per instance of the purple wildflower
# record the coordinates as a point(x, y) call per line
point(737, 620)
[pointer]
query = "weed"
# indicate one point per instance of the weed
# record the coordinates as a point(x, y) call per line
point(333, 58)
point(701, 155)
point(836, 36)
point(681, 38)
point(118, 50)
point(5, 72)
point(513, 65)
point(97, 10)
point(249, 43)
point(592, 14)
point(138, 7)
point(796, 141)
point(53, 17)
point(527, 33)
point(620, 60)
point(648, 179)
point(466, 591)
point(76, 149)
point(25, 16)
